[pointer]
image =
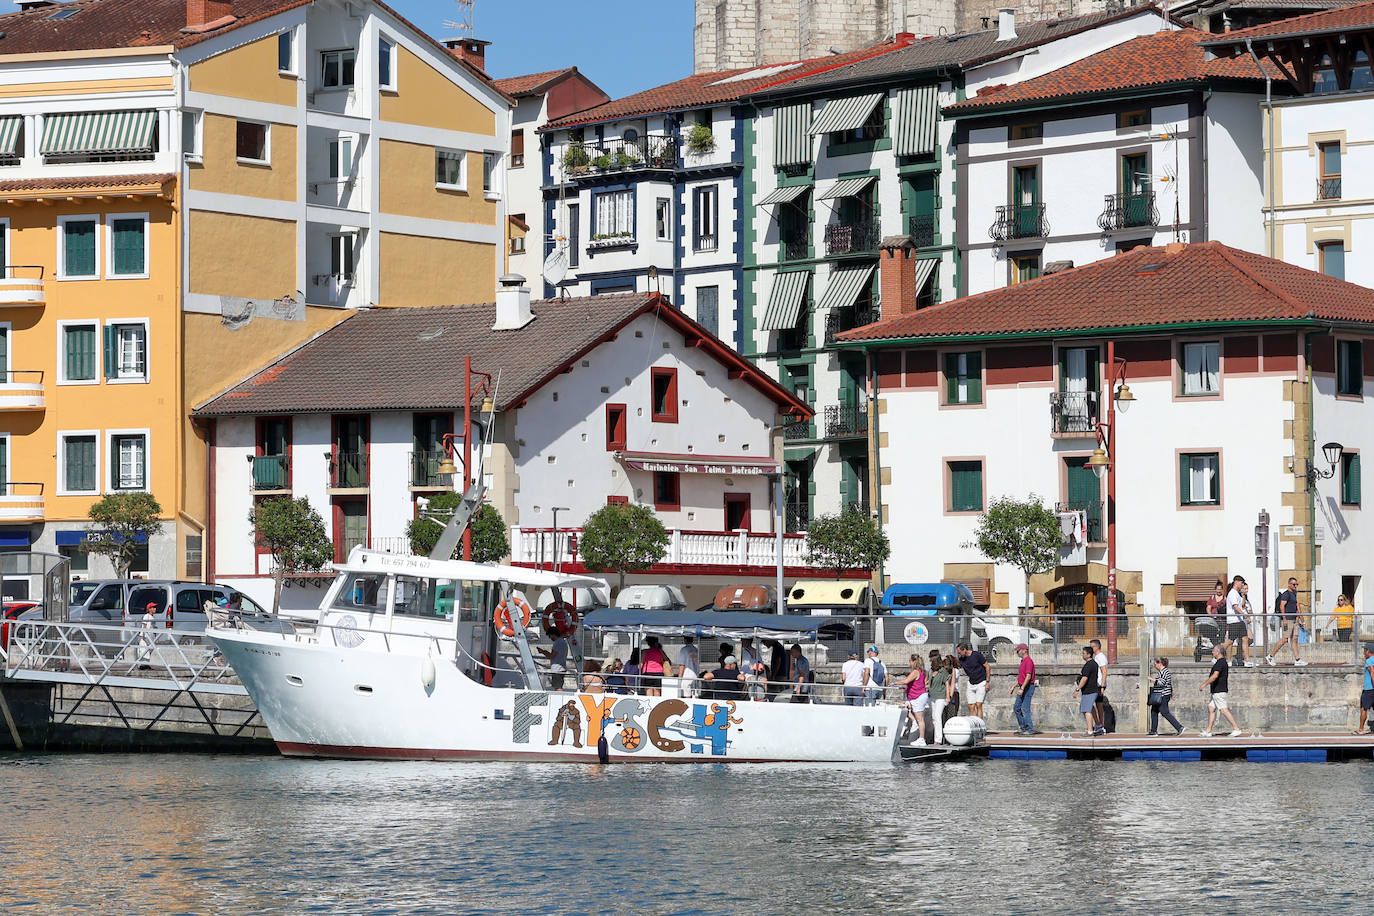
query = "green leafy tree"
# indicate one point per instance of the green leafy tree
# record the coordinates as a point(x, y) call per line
point(621, 539)
point(293, 533)
point(125, 521)
point(490, 543)
point(1020, 533)
point(850, 540)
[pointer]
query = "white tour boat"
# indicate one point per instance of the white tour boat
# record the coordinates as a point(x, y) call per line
point(406, 663)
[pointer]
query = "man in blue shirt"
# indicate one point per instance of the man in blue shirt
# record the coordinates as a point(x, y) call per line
point(1367, 694)
point(1288, 615)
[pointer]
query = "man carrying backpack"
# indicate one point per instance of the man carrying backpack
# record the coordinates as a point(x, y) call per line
point(875, 677)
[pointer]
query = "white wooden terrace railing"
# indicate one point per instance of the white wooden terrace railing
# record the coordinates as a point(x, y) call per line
point(693, 548)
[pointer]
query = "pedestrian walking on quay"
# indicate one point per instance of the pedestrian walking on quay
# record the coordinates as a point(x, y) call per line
point(1024, 690)
point(853, 676)
point(1287, 602)
point(1218, 680)
point(1367, 694)
point(955, 697)
point(1161, 692)
point(979, 673)
point(1087, 692)
point(1343, 617)
point(1100, 710)
point(941, 690)
point(1238, 620)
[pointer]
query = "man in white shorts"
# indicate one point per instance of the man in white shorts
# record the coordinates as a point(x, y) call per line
point(978, 673)
point(1218, 681)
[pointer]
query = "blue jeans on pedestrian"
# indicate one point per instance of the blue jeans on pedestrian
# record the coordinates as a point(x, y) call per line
point(854, 696)
point(1022, 707)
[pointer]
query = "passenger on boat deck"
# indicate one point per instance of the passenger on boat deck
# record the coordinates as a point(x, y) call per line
point(750, 665)
point(654, 667)
point(615, 678)
point(689, 663)
point(725, 649)
point(631, 670)
point(727, 681)
point(777, 671)
point(592, 679)
point(799, 675)
point(558, 661)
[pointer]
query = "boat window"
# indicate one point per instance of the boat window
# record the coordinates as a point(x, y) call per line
point(417, 598)
point(363, 592)
point(472, 600)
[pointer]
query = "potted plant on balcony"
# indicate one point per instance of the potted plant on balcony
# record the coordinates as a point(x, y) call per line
point(701, 141)
point(626, 159)
point(576, 159)
point(602, 162)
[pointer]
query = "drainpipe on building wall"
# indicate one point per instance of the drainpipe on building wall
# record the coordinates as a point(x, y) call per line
point(1269, 137)
point(875, 473)
point(1310, 448)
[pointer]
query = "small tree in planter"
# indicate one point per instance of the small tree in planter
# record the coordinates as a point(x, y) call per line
point(850, 540)
point(489, 540)
point(293, 533)
point(622, 538)
point(701, 140)
point(124, 523)
point(1020, 533)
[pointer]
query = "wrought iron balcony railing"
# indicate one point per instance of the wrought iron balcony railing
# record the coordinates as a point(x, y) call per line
point(424, 469)
point(1020, 221)
point(845, 421)
point(348, 470)
point(846, 319)
point(1329, 188)
point(794, 246)
point(654, 151)
point(852, 238)
point(798, 516)
point(1073, 412)
point(921, 228)
point(1128, 211)
point(799, 429)
point(271, 472)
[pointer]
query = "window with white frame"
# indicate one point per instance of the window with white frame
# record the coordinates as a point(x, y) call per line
point(251, 142)
point(341, 157)
point(286, 51)
point(4, 352)
point(336, 68)
point(1202, 368)
point(704, 219)
point(77, 252)
point(341, 256)
point(4, 247)
point(489, 164)
point(615, 216)
point(4, 463)
point(78, 356)
point(128, 461)
point(386, 64)
point(1199, 479)
point(191, 125)
point(78, 459)
point(126, 351)
point(663, 219)
point(127, 237)
point(450, 169)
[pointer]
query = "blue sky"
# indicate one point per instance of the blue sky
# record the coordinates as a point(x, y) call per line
point(623, 46)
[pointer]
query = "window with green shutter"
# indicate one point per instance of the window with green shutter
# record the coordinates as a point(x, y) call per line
point(129, 246)
point(966, 486)
point(78, 352)
point(78, 455)
point(78, 248)
point(1350, 478)
point(1199, 479)
point(964, 378)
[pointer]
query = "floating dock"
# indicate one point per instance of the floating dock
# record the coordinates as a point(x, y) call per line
point(1285, 747)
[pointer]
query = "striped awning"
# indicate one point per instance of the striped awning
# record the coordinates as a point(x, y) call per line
point(924, 268)
point(845, 114)
point(9, 135)
point(99, 132)
point(785, 302)
point(915, 120)
point(847, 187)
point(791, 139)
point(785, 195)
point(845, 286)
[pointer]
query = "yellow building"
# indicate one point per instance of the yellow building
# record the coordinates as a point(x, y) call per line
point(190, 188)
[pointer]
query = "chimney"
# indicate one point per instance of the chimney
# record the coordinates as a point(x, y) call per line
point(1174, 248)
point(897, 280)
point(26, 5)
point(472, 50)
point(1006, 23)
point(204, 12)
point(512, 304)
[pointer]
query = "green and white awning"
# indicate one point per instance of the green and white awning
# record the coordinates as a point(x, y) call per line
point(785, 302)
point(845, 286)
point(99, 132)
point(791, 138)
point(9, 135)
point(845, 114)
point(915, 121)
point(785, 195)
point(847, 187)
point(924, 268)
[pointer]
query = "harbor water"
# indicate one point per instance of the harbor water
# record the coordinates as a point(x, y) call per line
point(229, 835)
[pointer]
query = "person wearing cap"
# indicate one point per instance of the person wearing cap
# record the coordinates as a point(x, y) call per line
point(1024, 690)
point(727, 681)
point(1367, 694)
point(875, 677)
point(854, 672)
point(147, 622)
point(978, 674)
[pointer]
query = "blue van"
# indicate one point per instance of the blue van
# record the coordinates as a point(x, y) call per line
point(949, 604)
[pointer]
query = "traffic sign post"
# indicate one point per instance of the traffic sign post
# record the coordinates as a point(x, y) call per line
point(1262, 562)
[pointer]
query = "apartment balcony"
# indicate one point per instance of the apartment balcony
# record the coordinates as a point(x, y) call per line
point(339, 193)
point(837, 321)
point(21, 502)
point(1073, 413)
point(1020, 221)
point(845, 421)
point(22, 284)
point(271, 473)
point(796, 428)
point(794, 246)
point(1129, 211)
point(653, 151)
point(852, 238)
point(1329, 188)
point(348, 471)
point(726, 550)
point(921, 229)
point(1093, 508)
point(21, 389)
point(424, 471)
point(798, 516)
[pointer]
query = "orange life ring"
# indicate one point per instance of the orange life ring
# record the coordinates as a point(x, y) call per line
point(503, 619)
point(560, 619)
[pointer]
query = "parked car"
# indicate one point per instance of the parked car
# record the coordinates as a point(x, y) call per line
point(99, 601)
point(181, 605)
point(16, 610)
point(992, 637)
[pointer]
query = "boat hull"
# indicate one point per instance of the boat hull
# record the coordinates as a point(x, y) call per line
point(323, 700)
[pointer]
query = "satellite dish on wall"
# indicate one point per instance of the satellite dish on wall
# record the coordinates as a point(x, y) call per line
point(556, 266)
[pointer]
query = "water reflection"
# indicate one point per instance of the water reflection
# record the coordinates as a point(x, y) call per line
point(249, 835)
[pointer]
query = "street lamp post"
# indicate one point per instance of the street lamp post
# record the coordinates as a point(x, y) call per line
point(1119, 398)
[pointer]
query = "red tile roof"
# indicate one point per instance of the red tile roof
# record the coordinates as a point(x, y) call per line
point(1346, 18)
point(1172, 285)
point(530, 83)
point(82, 185)
point(1162, 59)
point(99, 24)
point(406, 357)
point(702, 89)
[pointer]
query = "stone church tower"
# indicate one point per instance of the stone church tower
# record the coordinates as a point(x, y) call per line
point(731, 34)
